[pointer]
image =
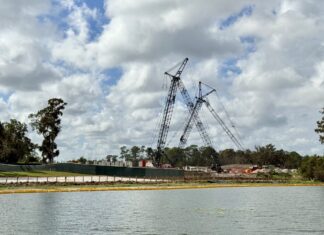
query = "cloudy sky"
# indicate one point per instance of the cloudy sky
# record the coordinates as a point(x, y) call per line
point(106, 59)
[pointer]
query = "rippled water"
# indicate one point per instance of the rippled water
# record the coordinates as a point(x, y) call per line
point(270, 210)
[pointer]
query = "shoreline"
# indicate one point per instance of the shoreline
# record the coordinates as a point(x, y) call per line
point(141, 187)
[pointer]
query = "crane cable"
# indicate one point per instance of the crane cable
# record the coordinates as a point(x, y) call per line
point(159, 117)
point(175, 66)
point(229, 118)
point(226, 113)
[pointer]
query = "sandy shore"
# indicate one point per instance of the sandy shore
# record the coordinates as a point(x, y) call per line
point(88, 188)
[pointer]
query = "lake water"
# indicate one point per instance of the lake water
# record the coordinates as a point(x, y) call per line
point(268, 210)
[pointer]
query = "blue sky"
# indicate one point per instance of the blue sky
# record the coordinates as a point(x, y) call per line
point(246, 11)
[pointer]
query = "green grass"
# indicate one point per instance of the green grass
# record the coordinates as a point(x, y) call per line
point(37, 173)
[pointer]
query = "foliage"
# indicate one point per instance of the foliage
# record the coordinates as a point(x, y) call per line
point(111, 158)
point(206, 156)
point(125, 153)
point(312, 168)
point(81, 160)
point(14, 144)
point(47, 122)
point(149, 153)
point(263, 155)
point(320, 128)
point(273, 175)
point(135, 153)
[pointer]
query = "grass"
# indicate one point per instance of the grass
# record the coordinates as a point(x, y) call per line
point(37, 173)
point(139, 186)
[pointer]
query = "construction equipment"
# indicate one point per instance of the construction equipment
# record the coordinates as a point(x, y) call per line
point(176, 83)
point(167, 112)
point(200, 99)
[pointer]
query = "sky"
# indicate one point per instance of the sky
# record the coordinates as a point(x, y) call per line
point(107, 60)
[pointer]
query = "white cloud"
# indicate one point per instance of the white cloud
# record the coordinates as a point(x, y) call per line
point(24, 42)
point(273, 93)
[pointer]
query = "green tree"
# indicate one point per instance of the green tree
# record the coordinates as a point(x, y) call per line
point(135, 152)
point(149, 153)
point(320, 128)
point(124, 153)
point(82, 160)
point(14, 144)
point(47, 122)
point(192, 156)
point(312, 168)
point(209, 157)
point(111, 158)
point(142, 152)
point(174, 156)
point(292, 160)
point(265, 155)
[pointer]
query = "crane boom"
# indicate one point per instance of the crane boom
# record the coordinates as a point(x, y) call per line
point(195, 117)
point(199, 101)
point(223, 125)
point(167, 114)
point(189, 125)
point(168, 110)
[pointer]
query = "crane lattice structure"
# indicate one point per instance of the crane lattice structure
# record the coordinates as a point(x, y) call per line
point(200, 100)
point(177, 84)
point(193, 108)
point(168, 110)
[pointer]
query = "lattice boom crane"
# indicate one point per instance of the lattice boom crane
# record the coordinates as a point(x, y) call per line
point(188, 127)
point(168, 110)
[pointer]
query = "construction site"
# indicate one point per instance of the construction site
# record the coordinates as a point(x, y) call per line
point(193, 119)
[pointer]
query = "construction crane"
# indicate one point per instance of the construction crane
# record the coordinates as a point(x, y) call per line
point(176, 83)
point(193, 118)
point(167, 112)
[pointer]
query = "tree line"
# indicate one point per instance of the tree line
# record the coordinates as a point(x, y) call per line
point(202, 156)
point(311, 167)
point(16, 147)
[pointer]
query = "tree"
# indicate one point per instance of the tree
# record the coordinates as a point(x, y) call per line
point(174, 156)
point(14, 144)
point(320, 128)
point(82, 160)
point(210, 157)
point(265, 155)
point(142, 152)
point(293, 160)
point(111, 158)
point(47, 122)
point(312, 168)
point(124, 153)
point(227, 156)
point(149, 153)
point(135, 152)
point(192, 156)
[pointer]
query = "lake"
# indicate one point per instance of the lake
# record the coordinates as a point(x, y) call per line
point(254, 210)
